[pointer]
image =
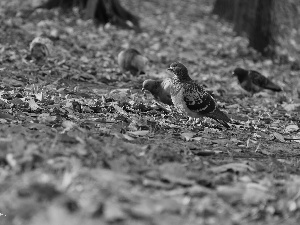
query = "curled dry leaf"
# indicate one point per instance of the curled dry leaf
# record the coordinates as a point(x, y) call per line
point(278, 137)
point(291, 128)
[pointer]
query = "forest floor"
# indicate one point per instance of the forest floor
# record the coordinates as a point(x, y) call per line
point(81, 144)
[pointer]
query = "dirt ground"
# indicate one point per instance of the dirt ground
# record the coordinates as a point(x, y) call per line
point(82, 144)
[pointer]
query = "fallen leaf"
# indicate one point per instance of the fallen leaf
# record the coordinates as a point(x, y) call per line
point(187, 136)
point(220, 141)
point(256, 193)
point(297, 138)
point(39, 96)
point(67, 124)
point(196, 138)
point(233, 106)
point(46, 118)
point(203, 152)
point(231, 193)
point(290, 107)
point(11, 160)
point(291, 128)
point(236, 167)
point(278, 137)
point(84, 59)
point(32, 104)
point(139, 132)
point(144, 209)
point(120, 110)
point(6, 116)
point(127, 137)
point(249, 193)
point(113, 212)
point(175, 173)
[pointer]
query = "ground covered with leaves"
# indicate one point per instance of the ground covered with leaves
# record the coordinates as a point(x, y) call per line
point(82, 144)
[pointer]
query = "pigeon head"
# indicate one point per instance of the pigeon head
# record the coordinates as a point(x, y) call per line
point(150, 85)
point(179, 70)
point(239, 72)
point(39, 51)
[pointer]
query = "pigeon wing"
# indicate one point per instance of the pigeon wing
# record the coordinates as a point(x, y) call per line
point(198, 100)
point(260, 80)
point(166, 91)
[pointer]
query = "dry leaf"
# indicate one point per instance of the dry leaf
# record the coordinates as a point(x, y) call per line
point(278, 137)
point(113, 212)
point(290, 107)
point(32, 104)
point(139, 132)
point(187, 136)
point(249, 193)
point(291, 128)
point(236, 167)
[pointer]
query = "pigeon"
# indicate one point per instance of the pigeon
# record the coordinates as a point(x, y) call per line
point(160, 89)
point(253, 81)
point(41, 48)
point(191, 99)
point(133, 61)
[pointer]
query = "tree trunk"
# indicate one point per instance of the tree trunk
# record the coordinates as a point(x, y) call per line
point(262, 36)
point(90, 9)
point(267, 23)
point(102, 11)
point(224, 9)
point(244, 16)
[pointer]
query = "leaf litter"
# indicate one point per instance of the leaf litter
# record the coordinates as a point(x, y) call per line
point(83, 144)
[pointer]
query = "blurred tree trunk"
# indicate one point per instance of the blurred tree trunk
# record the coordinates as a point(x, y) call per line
point(263, 33)
point(102, 11)
point(265, 22)
point(224, 9)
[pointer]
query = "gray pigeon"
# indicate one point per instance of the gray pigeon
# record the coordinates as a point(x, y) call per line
point(160, 89)
point(133, 61)
point(191, 99)
point(253, 81)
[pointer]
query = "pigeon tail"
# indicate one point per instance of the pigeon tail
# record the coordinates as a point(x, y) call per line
point(220, 117)
point(131, 60)
point(139, 62)
point(273, 87)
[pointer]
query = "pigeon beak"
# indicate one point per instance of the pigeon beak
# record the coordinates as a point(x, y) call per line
point(145, 91)
point(170, 69)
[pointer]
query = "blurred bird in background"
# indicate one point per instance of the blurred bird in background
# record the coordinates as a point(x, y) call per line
point(253, 81)
point(160, 89)
point(133, 61)
point(41, 48)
